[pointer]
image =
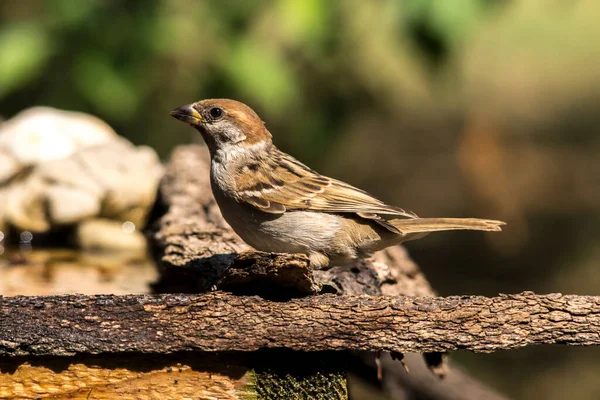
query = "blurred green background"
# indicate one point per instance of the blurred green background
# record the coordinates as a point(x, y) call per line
point(447, 108)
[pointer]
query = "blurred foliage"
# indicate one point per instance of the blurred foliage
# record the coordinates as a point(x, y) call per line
point(126, 61)
point(463, 107)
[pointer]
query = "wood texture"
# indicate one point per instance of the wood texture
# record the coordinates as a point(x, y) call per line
point(270, 275)
point(214, 322)
point(189, 238)
point(131, 377)
point(185, 375)
point(194, 245)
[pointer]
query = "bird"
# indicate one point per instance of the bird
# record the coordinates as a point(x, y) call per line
point(277, 204)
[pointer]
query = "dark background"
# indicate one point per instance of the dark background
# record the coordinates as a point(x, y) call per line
point(446, 108)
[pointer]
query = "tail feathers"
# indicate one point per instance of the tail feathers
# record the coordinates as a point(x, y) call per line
point(424, 225)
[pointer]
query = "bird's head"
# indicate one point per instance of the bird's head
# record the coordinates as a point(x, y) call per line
point(224, 122)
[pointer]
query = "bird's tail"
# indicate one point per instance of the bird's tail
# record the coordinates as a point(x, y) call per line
point(426, 225)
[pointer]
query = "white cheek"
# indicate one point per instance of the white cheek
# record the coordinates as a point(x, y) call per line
point(229, 132)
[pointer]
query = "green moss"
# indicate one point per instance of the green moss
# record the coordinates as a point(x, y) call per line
point(317, 385)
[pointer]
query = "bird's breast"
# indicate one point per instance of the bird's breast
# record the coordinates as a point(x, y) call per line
point(290, 232)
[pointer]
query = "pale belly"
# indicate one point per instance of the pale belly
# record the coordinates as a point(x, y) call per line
point(323, 237)
point(291, 232)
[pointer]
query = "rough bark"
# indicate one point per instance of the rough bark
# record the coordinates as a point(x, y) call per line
point(194, 245)
point(270, 275)
point(192, 241)
point(195, 249)
point(189, 237)
point(215, 322)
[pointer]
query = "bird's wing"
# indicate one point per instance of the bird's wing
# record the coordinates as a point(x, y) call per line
point(282, 183)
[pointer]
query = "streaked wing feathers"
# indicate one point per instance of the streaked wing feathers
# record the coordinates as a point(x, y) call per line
point(282, 183)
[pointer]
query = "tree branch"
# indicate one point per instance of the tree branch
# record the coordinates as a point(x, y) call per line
point(194, 245)
point(66, 325)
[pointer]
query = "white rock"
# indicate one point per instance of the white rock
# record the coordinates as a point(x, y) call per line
point(129, 179)
point(69, 168)
point(3, 221)
point(8, 166)
point(71, 172)
point(108, 235)
point(43, 133)
point(25, 205)
point(68, 205)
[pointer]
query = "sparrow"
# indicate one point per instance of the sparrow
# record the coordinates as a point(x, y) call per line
point(277, 204)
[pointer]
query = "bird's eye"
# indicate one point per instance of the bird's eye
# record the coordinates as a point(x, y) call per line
point(215, 112)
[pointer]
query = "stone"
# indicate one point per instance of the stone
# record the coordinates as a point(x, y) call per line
point(63, 169)
point(70, 172)
point(8, 166)
point(43, 133)
point(67, 205)
point(24, 208)
point(130, 177)
point(106, 234)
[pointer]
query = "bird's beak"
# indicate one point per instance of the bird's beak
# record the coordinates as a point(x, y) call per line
point(187, 114)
